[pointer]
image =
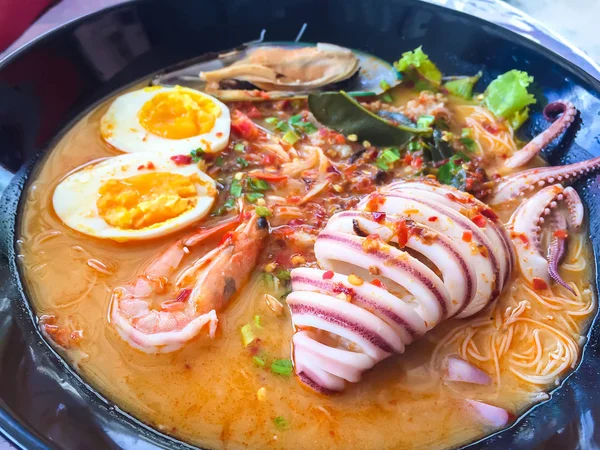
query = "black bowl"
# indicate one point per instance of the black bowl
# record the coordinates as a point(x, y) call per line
point(51, 82)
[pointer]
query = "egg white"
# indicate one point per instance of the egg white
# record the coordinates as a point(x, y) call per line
point(75, 197)
point(121, 127)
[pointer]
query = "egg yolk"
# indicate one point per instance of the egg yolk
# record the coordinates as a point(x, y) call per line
point(178, 114)
point(145, 200)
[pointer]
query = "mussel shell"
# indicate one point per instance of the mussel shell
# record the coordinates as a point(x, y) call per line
point(368, 81)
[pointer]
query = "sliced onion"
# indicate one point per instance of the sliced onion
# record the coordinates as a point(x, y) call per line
point(457, 369)
point(490, 415)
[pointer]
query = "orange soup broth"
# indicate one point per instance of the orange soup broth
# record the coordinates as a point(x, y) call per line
point(212, 393)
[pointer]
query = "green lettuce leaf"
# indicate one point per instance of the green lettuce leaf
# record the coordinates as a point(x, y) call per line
point(419, 62)
point(507, 96)
point(463, 87)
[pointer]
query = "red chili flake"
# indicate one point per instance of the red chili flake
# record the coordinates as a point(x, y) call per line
point(378, 283)
point(463, 200)
point(150, 165)
point(407, 159)
point(539, 284)
point(255, 347)
point(333, 169)
point(469, 181)
point(243, 126)
point(417, 162)
point(219, 134)
point(490, 214)
point(268, 160)
point(339, 139)
point(432, 219)
point(253, 112)
point(401, 232)
point(375, 202)
point(328, 275)
point(378, 216)
point(467, 236)
point(181, 160)
point(523, 239)
point(490, 128)
point(561, 234)
point(479, 220)
point(141, 167)
point(183, 295)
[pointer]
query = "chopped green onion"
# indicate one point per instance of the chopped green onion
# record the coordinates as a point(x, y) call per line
point(197, 154)
point(272, 120)
point(242, 162)
point(309, 128)
point(465, 133)
point(415, 146)
point(282, 367)
point(381, 164)
point(262, 211)
point(269, 281)
point(283, 126)
point(257, 322)
point(280, 422)
point(239, 147)
point(227, 206)
point(247, 335)
point(284, 275)
point(291, 137)
point(253, 196)
point(219, 161)
point(236, 188)
point(260, 362)
point(387, 157)
point(256, 184)
point(295, 119)
point(425, 121)
point(468, 143)
point(384, 85)
point(387, 98)
point(392, 154)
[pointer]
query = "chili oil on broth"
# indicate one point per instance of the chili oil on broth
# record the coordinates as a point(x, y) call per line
point(206, 393)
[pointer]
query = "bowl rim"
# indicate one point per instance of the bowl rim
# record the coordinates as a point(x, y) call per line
point(16, 429)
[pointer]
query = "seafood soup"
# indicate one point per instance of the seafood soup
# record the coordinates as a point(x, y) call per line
point(281, 255)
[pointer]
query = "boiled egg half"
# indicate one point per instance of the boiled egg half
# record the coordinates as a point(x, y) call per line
point(167, 119)
point(134, 196)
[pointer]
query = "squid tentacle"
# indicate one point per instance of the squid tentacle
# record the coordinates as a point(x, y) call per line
point(526, 226)
point(557, 249)
point(559, 125)
point(518, 185)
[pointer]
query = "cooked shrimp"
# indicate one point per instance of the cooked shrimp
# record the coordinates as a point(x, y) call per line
point(200, 290)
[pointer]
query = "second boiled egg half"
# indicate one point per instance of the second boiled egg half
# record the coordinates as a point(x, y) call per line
point(134, 196)
point(166, 119)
